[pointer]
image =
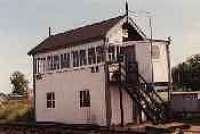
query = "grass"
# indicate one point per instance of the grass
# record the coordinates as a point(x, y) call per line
point(163, 95)
point(15, 111)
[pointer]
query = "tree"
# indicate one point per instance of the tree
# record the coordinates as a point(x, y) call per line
point(186, 75)
point(19, 83)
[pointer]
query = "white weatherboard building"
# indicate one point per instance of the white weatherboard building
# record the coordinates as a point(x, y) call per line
point(76, 74)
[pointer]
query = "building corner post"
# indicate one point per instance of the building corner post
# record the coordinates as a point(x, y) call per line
point(107, 87)
point(169, 69)
point(121, 96)
point(34, 90)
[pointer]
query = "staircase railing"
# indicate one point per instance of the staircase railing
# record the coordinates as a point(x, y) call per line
point(144, 95)
point(150, 87)
point(142, 103)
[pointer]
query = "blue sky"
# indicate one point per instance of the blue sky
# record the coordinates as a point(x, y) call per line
point(24, 24)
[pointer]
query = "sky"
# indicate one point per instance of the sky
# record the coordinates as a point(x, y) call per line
point(24, 24)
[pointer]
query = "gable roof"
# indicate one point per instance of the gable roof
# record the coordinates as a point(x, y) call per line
point(73, 37)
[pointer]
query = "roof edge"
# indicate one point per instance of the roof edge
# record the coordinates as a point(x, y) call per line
point(120, 17)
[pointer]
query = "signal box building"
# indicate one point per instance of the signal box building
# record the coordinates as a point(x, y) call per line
point(99, 74)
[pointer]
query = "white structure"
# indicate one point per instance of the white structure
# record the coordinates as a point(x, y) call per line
point(185, 102)
point(73, 73)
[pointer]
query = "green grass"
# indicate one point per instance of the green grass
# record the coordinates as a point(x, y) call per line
point(15, 111)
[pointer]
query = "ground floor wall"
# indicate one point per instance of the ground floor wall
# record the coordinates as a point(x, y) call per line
point(131, 111)
point(115, 105)
point(67, 87)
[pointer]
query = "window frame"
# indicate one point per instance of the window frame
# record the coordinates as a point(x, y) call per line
point(85, 98)
point(50, 100)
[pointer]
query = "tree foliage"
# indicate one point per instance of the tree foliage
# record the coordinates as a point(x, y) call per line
point(19, 83)
point(186, 75)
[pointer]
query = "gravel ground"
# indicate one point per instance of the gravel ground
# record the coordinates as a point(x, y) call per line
point(193, 130)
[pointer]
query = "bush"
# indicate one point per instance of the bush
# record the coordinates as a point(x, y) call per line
point(14, 111)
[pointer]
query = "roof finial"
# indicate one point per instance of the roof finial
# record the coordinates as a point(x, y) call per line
point(126, 7)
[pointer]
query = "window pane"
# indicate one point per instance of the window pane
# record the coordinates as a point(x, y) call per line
point(88, 98)
point(48, 63)
point(65, 60)
point(52, 96)
point(43, 65)
point(56, 62)
point(83, 60)
point(48, 96)
point(91, 56)
point(81, 98)
point(48, 104)
point(75, 58)
point(155, 52)
point(53, 104)
point(51, 63)
point(100, 57)
point(38, 65)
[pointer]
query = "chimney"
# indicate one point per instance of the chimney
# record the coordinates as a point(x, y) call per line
point(126, 8)
point(49, 31)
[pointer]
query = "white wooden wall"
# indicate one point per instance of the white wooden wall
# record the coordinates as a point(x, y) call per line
point(66, 84)
point(143, 57)
point(67, 87)
point(160, 65)
point(115, 105)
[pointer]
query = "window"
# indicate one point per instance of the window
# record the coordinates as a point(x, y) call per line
point(40, 65)
point(99, 52)
point(75, 56)
point(83, 59)
point(50, 100)
point(48, 63)
point(111, 53)
point(91, 56)
point(65, 60)
point(37, 65)
point(155, 52)
point(56, 64)
point(44, 65)
point(84, 98)
point(51, 63)
point(117, 52)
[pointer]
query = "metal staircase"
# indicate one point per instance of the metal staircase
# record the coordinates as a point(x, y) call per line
point(142, 92)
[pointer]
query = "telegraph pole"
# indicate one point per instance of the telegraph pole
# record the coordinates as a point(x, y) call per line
point(151, 41)
point(169, 70)
point(120, 88)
